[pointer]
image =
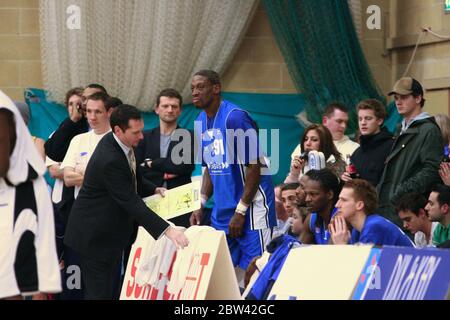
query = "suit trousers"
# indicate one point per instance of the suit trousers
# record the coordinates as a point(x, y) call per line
point(100, 278)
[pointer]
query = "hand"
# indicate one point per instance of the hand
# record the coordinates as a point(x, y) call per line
point(346, 177)
point(160, 191)
point(76, 113)
point(444, 172)
point(297, 165)
point(39, 296)
point(80, 168)
point(236, 225)
point(196, 217)
point(251, 268)
point(148, 163)
point(339, 232)
point(177, 236)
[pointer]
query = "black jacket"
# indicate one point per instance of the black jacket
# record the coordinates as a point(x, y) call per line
point(56, 148)
point(102, 219)
point(369, 158)
point(412, 165)
point(57, 145)
point(149, 148)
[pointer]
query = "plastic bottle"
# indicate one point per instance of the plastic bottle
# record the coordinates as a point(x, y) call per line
point(350, 168)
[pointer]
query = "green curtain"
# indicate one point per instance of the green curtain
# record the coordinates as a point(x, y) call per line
point(318, 41)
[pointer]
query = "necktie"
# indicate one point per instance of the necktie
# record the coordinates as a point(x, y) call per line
point(133, 167)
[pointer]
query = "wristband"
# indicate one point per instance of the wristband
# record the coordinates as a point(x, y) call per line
point(204, 199)
point(241, 208)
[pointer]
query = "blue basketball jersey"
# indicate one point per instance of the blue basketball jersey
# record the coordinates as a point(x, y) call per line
point(225, 155)
point(382, 232)
point(320, 231)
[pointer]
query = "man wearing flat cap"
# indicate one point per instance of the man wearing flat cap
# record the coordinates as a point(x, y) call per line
point(413, 163)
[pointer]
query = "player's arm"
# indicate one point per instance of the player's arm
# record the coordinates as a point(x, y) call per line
point(252, 179)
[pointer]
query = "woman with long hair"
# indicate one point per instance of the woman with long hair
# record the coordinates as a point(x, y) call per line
point(318, 138)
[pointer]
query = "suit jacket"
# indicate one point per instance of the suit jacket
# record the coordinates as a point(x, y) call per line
point(149, 147)
point(101, 221)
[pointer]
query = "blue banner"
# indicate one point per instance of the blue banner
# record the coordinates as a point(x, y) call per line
point(407, 274)
point(370, 276)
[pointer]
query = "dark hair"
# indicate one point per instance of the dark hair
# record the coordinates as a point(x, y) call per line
point(100, 96)
point(329, 110)
point(122, 115)
point(77, 91)
point(372, 104)
point(171, 93)
point(289, 186)
point(364, 191)
point(303, 211)
point(211, 75)
point(443, 192)
point(327, 145)
point(112, 102)
point(417, 90)
point(328, 181)
point(413, 202)
point(97, 86)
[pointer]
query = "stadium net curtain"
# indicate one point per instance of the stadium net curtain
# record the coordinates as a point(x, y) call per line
point(135, 48)
point(318, 41)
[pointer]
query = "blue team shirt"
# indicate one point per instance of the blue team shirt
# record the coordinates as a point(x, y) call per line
point(320, 231)
point(380, 231)
point(226, 158)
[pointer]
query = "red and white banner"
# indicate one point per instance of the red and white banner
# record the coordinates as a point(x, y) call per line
point(210, 273)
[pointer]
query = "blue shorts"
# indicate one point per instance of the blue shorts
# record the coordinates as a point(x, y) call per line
point(251, 244)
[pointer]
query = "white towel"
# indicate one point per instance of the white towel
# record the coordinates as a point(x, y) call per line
point(25, 153)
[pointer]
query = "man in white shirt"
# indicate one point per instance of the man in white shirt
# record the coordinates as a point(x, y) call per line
point(83, 145)
point(335, 119)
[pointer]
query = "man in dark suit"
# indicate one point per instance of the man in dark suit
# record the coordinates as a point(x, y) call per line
point(101, 222)
point(166, 154)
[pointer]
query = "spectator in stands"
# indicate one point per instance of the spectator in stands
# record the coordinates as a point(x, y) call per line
point(289, 197)
point(413, 163)
point(316, 137)
point(299, 215)
point(335, 119)
point(300, 192)
point(62, 196)
point(279, 208)
point(322, 191)
point(438, 209)
point(443, 122)
point(411, 210)
point(160, 164)
point(81, 148)
point(357, 202)
point(376, 142)
point(73, 103)
point(58, 143)
point(289, 201)
point(83, 145)
point(90, 90)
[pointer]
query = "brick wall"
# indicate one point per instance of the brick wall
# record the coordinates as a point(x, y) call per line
point(20, 58)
